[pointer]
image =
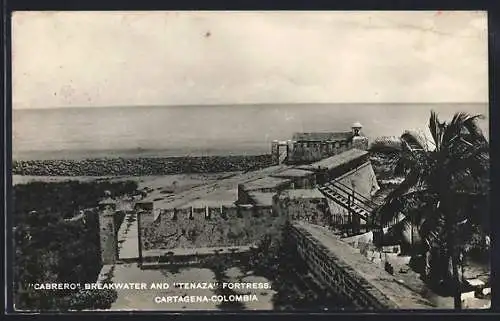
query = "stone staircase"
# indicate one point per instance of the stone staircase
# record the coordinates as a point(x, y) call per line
point(359, 205)
point(362, 212)
point(283, 157)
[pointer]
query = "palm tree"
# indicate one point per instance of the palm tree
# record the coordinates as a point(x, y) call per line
point(443, 178)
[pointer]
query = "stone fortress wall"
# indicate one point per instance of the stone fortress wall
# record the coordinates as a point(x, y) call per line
point(311, 151)
point(262, 205)
point(292, 199)
point(197, 227)
point(342, 269)
point(305, 148)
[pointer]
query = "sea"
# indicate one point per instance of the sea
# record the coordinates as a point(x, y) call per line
point(206, 130)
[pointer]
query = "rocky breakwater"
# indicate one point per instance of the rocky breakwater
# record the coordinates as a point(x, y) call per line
point(139, 166)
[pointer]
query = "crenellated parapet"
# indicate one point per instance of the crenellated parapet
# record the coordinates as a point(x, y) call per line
point(206, 213)
point(191, 226)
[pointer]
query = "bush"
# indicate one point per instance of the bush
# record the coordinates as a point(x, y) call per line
point(55, 201)
point(92, 299)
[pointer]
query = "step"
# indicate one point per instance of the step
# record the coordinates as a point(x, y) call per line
point(339, 196)
point(355, 208)
point(343, 201)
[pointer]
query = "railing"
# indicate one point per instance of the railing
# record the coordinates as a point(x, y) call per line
point(370, 205)
point(361, 196)
point(347, 201)
point(349, 191)
point(283, 156)
point(351, 198)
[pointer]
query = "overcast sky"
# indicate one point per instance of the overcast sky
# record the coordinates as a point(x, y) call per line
point(75, 59)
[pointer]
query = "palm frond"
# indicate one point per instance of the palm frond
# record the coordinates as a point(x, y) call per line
point(442, 186)
point(436, 128)
point(461, 122)
point(473, 129)
point(432, 228)
point(412, 140)
point(402, 198)
point(412, 160)
point(406, 162)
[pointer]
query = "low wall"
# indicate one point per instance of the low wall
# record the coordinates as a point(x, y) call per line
point(279, 185)
point(306, 179)
point(200, 227)
point(335, 274)
point(313, 209)
point(304, 182)
point(330, 267)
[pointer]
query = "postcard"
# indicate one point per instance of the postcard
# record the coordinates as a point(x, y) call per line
point(317, 161)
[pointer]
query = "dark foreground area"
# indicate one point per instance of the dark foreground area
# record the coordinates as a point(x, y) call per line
point(55, 243)
point(56, 240)
point(140, 166)
point(276, 259)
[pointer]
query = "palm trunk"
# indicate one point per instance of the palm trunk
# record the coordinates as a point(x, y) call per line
point(453, 249)
point(452, 253)
point(457, 293)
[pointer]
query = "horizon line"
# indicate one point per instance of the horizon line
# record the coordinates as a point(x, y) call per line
point(253, 104)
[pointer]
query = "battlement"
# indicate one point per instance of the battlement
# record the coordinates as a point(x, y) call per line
point(207, 213)
point(262, 204)
point(189, 226)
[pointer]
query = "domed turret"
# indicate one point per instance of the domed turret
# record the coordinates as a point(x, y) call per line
point(356, 128)
point(358, 140)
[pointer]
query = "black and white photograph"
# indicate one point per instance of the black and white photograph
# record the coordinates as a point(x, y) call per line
point(272, 161)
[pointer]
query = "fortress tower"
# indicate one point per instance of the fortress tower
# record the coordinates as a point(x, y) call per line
point(108, 233)
point(274, 152)
point(280, 151)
